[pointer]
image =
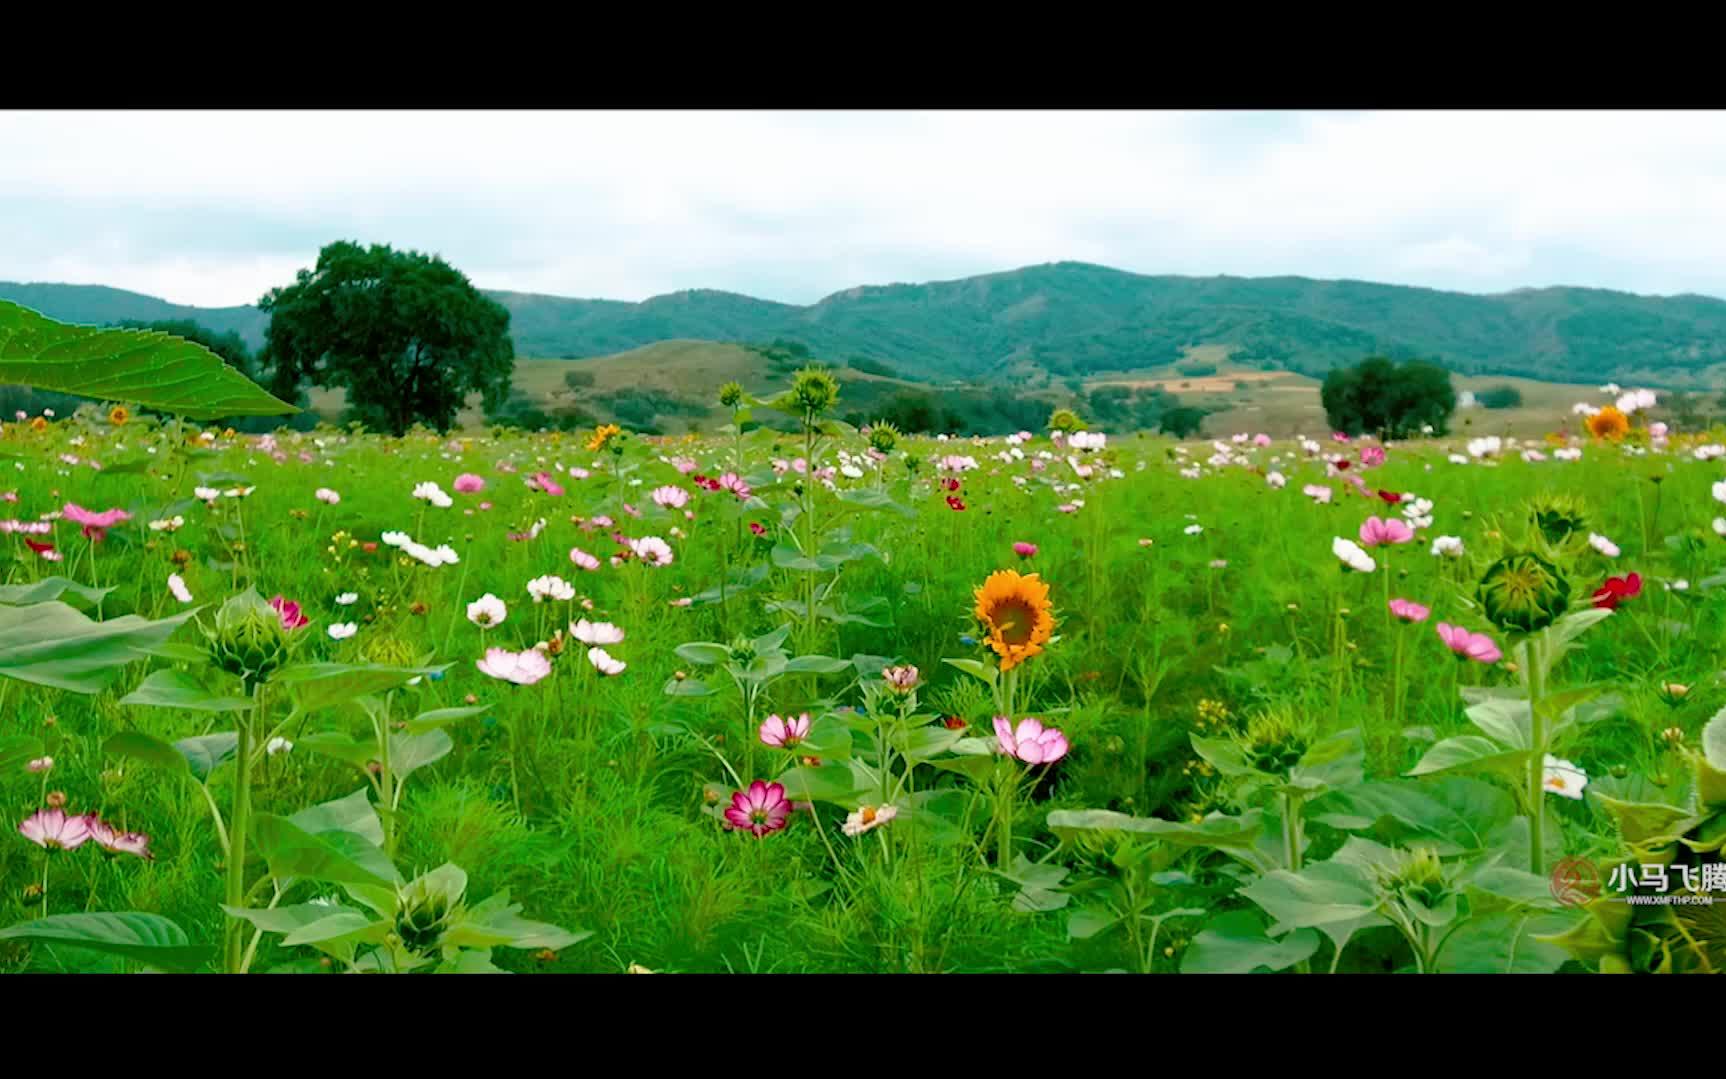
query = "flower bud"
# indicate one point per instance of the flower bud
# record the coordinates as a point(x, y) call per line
point(1524, 592)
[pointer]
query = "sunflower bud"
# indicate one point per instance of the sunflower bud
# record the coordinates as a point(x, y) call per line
point(731, 395)
point(1276, 741)
point(249, 639)
point(1419, 880)
point(883, 437)
point(426, 908)
point(814, 390)
point(1524, 592)
point(1066, 421)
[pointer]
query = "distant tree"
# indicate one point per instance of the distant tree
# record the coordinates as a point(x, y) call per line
point(405, 334)
point(1388, 399)
point(1505, 396)
point(871, 367)
point(578, 380)
point(1183, 421)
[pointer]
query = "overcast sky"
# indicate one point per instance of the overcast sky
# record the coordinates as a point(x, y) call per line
point(214, 208)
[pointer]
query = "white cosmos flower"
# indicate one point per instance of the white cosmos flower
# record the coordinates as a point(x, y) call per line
point(207, 494)
point(868, 818)
point(282, 745)
point(324, 494)
point(445, 554)
point(397, 539)
point(522, 668)
point(550, 587)
point(851, 472)
point(1352, 556)
point(1569, 453)
point(341, 631)
point(170, 524)
point(1276, 479)
point(672, 498)
point(603, 663)
point(431, 492)
point(1193, 530)
point(652, 550)
point(347, 599)
point(591, 633)
point(1564, 778)
point(1448, 547)
point(1720, 526)
point(1720, 491)
point(487, 611)
point(178, 587)
point(1603, 545)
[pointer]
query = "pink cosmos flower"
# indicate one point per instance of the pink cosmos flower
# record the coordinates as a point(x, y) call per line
point(289, 611)
point(578, 473)
point(327, 496)
point(732, 482)
point(901, 679)
point(784, 733)
point(115, 841)
point(1409, 611)
point(1475, 646)
point(669, 497)
point(759, 810)
point(1031, 743)
point(685, 465)
point(96, 525)
point(542, 481)
point(52, 829)
point(467, 483)
point(1338, 436)
point(1318, 492)
point(1261, 440)
point(521, 668)
point(1371, 456)
point(1374, 531)
point(583, 559)
point(39, 765)
point(1025, 550)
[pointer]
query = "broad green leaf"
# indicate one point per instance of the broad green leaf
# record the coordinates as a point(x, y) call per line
point(1333, 897)
point(142, 747)
point(354, 813)
point(1330, 763)
point(829, 738)
point(975, 668)
point(687, 687)
point(49, 588)
point(1454, 814)
point(341, 746)
point(1471, 751)
point(1714, 740)
point(874, 498)
point(1639, 822)
point(337, 925)
point(206, 752)
point(142, 367)
point(926, 742)
point(287, 919)
point(293, 852)
point(411, 752)
point(773, 641)
point(320, 685)
point(50, 644)
point(816, 665)
point(442, 717)
point(1225, 756)
point(1505, 942)
point(17, 750)
point(178, 689)
point(1235, 943)
point(147, 938)
point(835, 783)
point(1215, 830)
point(703, 653)
point(1086, 922)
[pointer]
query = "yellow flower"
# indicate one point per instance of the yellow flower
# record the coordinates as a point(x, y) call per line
point(1016, 615)
point(1609, 423)
point(603, 435)
point(118, 415)
point(38, 424)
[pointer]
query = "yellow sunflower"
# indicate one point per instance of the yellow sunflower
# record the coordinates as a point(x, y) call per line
point(602, 435)
point(118, 415)
point(38, 424)
point(1609, 423)
point(1016, 615)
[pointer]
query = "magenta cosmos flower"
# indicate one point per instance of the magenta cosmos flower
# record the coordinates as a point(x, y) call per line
point(1374, 531)
point(1031, 743)
point(542, 481)
point(1409, 611)
point(1371, 456)
point(522, 668)
point(114, 841)
point(1475, 646)
point(96, 525)
point(290, 613)
point(760, 809)
point(52, 829)
point(469, 484)
point(1024, 550)
point(783, 733)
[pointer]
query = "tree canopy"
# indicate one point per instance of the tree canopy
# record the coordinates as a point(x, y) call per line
point(1388, 399)
point(405, 334)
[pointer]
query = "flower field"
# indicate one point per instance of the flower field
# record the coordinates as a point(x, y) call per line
point(838, 700)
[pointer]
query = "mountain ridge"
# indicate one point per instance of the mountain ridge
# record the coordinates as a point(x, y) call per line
point(1074, 319)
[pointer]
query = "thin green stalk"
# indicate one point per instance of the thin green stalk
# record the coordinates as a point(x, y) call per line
point(1537, 757)
point(240, 821)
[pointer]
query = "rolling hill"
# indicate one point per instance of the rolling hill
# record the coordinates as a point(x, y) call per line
point(1075, 321)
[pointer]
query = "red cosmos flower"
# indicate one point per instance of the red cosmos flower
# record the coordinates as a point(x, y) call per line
point(1342, 465)
point(1618, 589)
point(369, 548)
point(46, 550)
point(757, 528)
point(1390, 496)
point(955, 502)
point(950, 483)
point(954, 723)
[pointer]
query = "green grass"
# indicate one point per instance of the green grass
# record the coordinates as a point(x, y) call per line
point(615, 832)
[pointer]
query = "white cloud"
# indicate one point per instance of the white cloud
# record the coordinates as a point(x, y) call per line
point(214, 208)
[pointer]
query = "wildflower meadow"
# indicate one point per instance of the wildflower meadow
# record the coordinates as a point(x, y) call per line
point(840, 700)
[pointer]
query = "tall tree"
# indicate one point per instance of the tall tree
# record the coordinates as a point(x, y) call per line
point(405, 334)
point(1387, 399)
